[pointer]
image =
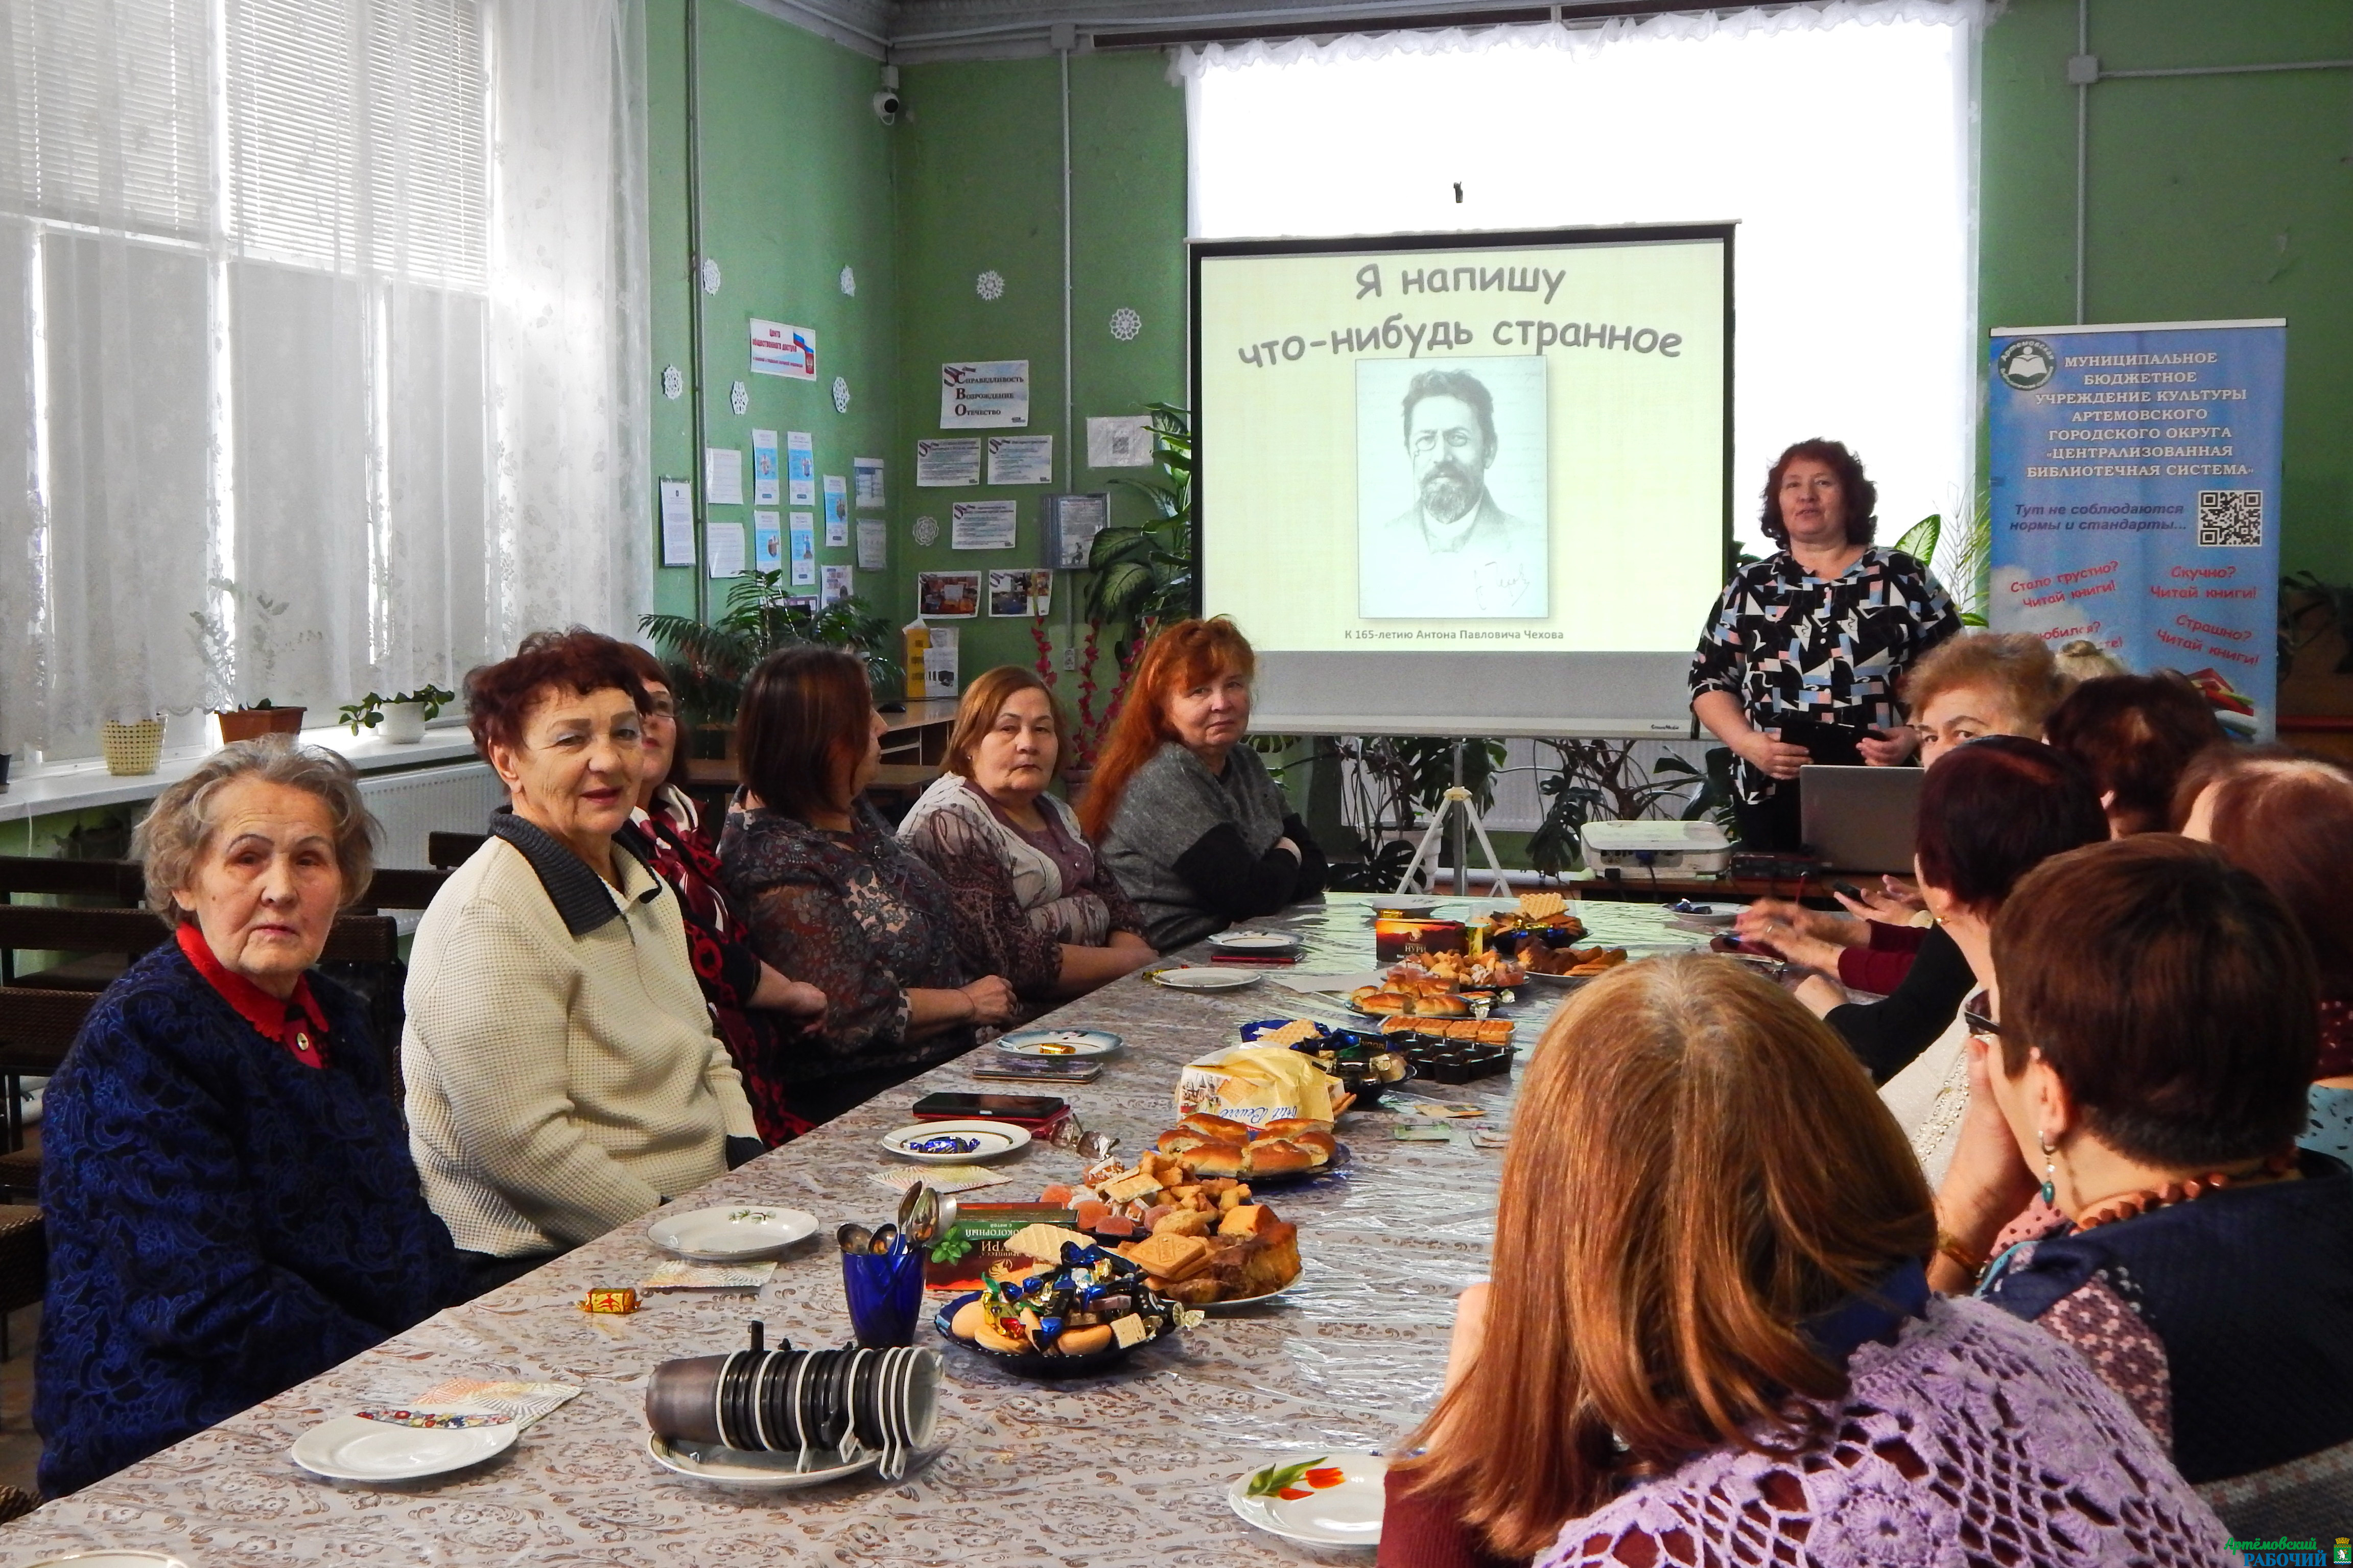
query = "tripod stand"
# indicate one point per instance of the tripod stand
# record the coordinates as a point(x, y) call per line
point(1455, 810)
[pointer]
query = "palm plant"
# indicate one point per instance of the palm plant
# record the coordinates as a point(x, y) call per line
point(1964, 569)
point(1144, 572)
point(709, 660)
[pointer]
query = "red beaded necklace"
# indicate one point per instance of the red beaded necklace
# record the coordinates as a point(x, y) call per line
point(2131, 1204)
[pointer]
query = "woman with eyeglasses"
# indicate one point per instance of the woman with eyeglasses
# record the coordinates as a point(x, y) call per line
point(755, 1009)
point(563, 1076)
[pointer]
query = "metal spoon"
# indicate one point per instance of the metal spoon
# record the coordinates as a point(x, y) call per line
point(854, 1238)
point(885, 1241)
point(923, 1222)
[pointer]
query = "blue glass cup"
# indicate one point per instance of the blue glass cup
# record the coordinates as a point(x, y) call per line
point(886, 1294)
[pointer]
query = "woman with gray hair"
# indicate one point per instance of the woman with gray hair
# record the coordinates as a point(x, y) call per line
point(230, 1202)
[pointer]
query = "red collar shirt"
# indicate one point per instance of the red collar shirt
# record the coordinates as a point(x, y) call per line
point(297, 1023)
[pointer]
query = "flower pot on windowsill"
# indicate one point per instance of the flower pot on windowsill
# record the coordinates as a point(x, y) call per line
point(131, 749)
point(404, 723)
point(252, 723)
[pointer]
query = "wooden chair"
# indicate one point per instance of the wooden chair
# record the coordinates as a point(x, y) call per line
point(24, 1268)
point(396, 887)
point(36, 1028)
point(450, 850)
point(118, 883)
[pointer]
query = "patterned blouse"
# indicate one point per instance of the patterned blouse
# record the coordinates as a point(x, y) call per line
point(857, 916)
point(669, 838)
point(1785, 642)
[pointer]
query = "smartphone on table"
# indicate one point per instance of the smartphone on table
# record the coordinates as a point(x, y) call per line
point(1031, 1110)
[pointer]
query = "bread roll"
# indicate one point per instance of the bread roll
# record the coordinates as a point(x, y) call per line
point(1082, 1342)
point(1178, 1139)
point(966, 1323)
point(1277, 1157)
point(1322, 1147)
point(988, 1338)
point(1384, 1002)
point(1289, 1126)
point(1215, 1126)
point(1219, 1159)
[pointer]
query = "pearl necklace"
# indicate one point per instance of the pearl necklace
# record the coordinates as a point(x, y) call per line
point(2130, 1206)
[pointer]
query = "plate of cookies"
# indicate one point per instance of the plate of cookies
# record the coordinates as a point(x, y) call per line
point(1151, 1216)
point(1083, 1310)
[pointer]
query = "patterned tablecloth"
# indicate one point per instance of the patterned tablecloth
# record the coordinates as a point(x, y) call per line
point(1130, 1468)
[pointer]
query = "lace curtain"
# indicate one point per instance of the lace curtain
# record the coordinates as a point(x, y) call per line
point(1841, 136)
point(320, 347)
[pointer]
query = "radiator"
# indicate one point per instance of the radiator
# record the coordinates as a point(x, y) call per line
point(458, 798)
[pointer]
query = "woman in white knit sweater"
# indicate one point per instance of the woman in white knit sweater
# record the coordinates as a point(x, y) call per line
point(562, 1073)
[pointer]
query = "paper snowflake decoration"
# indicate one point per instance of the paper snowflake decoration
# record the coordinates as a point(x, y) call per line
point(1125, 325)
point(710, 276)
point(989, 285)
point(739, 397)
point(927, 530)
point(840, 395)
point(673, 383)
point(849, 281)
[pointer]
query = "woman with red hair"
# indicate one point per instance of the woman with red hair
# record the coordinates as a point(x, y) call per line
point(1188, 820)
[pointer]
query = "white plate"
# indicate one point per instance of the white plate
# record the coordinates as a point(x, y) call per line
point(111, 1560)
point(1277, 1294)
point(1346, 1515)
point(354, 1448)
point(734, 1466)
point(1411, 908)
point(1053, 1044)
point(1709, 914)
point(996, 1137)
point(1254, 940)
point(733, 1234)
point(1204, 979)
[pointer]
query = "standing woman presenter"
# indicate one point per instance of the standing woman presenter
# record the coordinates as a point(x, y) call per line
point(1802, 657)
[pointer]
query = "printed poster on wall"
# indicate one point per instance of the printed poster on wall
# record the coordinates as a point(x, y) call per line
point(804, 550)
point(873, 543)
point(948, 595)
point(2136, 491)
point(939, 464)
point(837, 512)
point(984, 394)
point(723, 476)
point(868, 473)
point(981, 525)
point(726, 548)
point(1024, 592)
point(781, 350)
point(1120, 441)
point(1021, 459)
point(767, 543)
point(800, 468)
point(678, 522)
point(764, 468)
point(836, 583)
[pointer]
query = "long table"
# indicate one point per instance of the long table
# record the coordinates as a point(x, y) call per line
point(1127, 1468)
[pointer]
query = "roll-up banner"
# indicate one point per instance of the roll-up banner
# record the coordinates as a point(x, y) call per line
point(2136, 491)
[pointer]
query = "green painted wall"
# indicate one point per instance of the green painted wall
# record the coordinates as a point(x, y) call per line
point(979, 189)
point(2210, 198)
point(796, 185)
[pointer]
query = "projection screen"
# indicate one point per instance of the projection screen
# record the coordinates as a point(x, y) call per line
point(1466, 483)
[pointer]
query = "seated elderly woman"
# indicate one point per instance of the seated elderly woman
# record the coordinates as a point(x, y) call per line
point(1721, 1347)
point(2288, 818)
point(563, 1076)
point(832, 897)
point(1966, 687)
point(1990, 812)
point(2158, 1029)
point(1194, 828)
point(230, 1203)
point(2134, 734)
point(757, 1012)
point(1033, 901)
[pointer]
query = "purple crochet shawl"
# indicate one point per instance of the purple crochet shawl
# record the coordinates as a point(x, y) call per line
point(1973, 1438)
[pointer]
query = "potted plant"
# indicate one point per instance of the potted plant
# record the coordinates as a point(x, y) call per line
point(402, 715)
point(709, 661)
point(257, 720)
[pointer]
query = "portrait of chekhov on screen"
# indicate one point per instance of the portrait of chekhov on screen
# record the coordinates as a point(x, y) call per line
point(1456, 551)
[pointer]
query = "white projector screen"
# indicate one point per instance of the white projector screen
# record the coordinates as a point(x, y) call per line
point(1467, 484)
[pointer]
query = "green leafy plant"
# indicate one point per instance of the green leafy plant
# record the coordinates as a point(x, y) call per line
point(368, 711)
point(1389, 781)
point(1144, 572)
point(1599, 780)
point(1964, 571)
point(711, 659)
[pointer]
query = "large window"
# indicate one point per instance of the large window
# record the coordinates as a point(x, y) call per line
point(1840, 138)
point(251, 332)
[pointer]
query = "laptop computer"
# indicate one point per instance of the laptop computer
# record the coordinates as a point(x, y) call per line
point(1860, 819)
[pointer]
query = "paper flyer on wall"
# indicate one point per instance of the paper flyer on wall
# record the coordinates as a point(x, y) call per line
point(804, 547)
point(940, 657)
point(981, 524)
point(800, 468)
point(1021, 459)
point(723, 476)
point(984, 394)
point(678, 522)
point(948, 595)
point(764, 478)
point(949, 462)
point(837, 512)
point(1070, 523)
point(1022, 592)
point(781, 350)
point(1119, 441)
point(767, 542)
point(726, 549)
point(873, 543)
point(836, 583)
point(869, 476)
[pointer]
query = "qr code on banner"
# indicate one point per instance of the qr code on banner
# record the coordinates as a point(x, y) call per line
point(2230, 517)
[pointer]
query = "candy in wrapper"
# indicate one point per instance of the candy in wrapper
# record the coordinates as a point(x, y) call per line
point(620, 1300)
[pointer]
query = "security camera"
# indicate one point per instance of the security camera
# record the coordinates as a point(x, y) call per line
point(887, 102)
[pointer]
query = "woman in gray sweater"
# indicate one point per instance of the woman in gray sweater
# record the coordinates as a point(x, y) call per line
point(1188, 820)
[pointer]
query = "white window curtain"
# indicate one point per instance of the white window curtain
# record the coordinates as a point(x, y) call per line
point(1841, 137)
point(322, 354)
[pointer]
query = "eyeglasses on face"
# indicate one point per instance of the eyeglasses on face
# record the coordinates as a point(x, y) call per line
point(1978, 1024)
point(1425, 442)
